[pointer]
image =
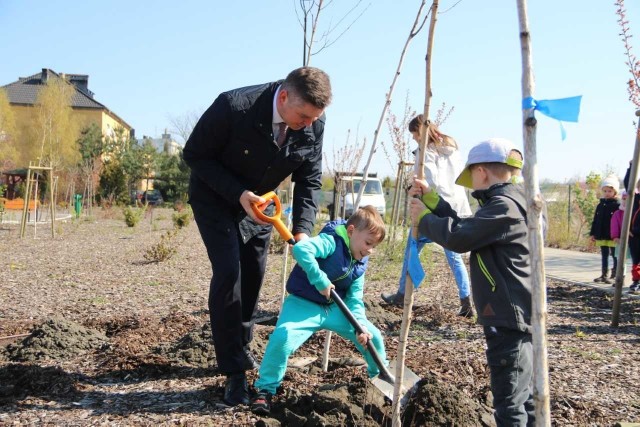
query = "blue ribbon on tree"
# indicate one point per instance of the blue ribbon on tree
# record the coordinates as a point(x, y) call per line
point(416, 272)
point(563, 110)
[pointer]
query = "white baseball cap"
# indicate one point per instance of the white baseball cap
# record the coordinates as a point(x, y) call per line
point(494, 150)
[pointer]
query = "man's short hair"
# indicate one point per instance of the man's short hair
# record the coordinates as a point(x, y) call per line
point(311, 85)
point(368, 218)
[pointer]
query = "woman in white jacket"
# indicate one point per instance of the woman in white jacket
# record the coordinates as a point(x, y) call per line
point(442, 166)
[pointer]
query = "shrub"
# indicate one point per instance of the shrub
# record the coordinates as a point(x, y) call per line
point(181, 218)
point(164, 249)
point(132, 215)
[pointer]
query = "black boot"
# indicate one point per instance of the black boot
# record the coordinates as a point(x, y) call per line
point(250, 361)
point(466, 310)
point(602, 278)
point(236, 391)
point(395, 298)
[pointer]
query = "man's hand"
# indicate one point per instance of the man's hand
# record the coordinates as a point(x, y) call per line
point(326, 292)
point(246, 199)
point(364, 337)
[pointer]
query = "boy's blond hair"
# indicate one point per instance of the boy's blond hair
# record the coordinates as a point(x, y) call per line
point(368, 218)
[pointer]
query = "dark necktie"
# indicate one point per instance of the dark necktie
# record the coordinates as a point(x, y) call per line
point(282, 133)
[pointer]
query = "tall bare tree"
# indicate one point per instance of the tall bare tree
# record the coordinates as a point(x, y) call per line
point(408, 294)
point(183, 125)
point(313, 34)
point(415, 29)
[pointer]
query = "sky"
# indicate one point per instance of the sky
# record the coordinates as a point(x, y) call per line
point(149, 61)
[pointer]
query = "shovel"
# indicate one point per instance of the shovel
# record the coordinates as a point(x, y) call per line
point(276, 219)
point(384, 381)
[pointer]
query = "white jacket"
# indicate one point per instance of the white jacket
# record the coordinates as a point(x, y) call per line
point(442, 165)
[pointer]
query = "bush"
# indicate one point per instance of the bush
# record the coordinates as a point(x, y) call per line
point(164, 249)
point(181, 218)
point(132, 215)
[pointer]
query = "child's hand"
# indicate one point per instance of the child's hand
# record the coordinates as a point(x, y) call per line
point(326, 292)
point(364, 337)
point(419, 187)
point(616, 240)
point(592, 238)
point(417, 208)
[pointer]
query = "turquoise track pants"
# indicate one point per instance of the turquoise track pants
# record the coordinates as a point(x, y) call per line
point(299, 319)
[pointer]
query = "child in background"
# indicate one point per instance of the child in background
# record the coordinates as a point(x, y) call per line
point(500, 267)
point(334, 259)
point(442, 166)
point(601, 227)
point(616, 221)
point(634, 234)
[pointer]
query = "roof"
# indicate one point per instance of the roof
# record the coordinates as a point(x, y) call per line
point(25, 90)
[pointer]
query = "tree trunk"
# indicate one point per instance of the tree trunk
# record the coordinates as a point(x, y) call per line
point(414, 31)
point(536, 243)
point(626, 225)
point(408, 293)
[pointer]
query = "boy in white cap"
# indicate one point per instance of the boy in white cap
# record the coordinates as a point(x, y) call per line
point(500, 268)
point(601, 227)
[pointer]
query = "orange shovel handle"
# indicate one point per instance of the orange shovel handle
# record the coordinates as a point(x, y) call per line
point(276, 220)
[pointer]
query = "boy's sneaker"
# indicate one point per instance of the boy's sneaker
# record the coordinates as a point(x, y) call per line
point(261, 404)
point(635, 287)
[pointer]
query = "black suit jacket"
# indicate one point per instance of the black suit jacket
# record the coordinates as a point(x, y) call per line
point(232, 149)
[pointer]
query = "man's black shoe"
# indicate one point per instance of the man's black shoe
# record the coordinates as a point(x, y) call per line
point(261, 404)
point(250, 361)
point(395, 298)
point(236, 391)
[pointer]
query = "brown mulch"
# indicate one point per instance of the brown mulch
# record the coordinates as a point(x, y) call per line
point(121, 341)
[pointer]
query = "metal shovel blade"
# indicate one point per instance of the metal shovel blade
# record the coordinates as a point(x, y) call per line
point(386, 387)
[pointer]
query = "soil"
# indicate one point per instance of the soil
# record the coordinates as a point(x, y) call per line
point(116, 340)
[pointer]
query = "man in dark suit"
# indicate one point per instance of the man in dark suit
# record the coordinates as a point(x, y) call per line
point(247, 142)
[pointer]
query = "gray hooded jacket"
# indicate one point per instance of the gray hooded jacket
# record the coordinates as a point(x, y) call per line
point(496, 236)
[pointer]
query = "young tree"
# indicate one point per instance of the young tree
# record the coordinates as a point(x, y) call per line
point(90, 146)
point(172, 177)
point(8, 152)
point(183, 125)
point(56, 130)
point(310, 11)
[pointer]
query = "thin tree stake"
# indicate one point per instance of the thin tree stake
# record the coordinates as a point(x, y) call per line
point(408, 292)
point(534, 221)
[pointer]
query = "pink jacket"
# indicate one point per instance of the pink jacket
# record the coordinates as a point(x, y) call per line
point(616, 224)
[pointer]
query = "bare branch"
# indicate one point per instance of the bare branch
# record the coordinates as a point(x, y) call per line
point(447, 10)
point(328, 44)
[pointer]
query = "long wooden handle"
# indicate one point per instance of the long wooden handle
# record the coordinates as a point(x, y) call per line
point(384, 372)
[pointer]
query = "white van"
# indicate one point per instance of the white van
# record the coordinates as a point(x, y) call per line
point(373, 194)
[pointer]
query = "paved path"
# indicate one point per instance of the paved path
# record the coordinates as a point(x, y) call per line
point(579, 267)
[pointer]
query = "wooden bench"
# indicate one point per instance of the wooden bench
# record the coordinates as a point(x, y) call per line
point(17, 204)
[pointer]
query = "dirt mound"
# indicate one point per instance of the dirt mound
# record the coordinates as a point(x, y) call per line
point(379, 315)
point(56, 338)
point(438, 404)
point(196, 348)
point(357, 403)
point(193, 349)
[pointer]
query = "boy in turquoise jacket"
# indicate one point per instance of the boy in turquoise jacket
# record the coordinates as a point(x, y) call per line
point(335, 259)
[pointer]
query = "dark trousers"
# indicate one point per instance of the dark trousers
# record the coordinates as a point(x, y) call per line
point(238, 270)
point(510, 358)
point(604, 254)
